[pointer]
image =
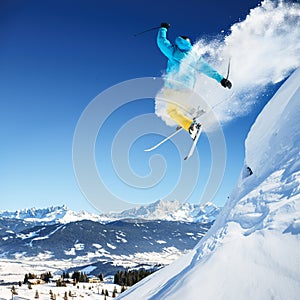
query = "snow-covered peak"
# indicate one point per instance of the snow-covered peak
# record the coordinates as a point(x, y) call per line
point(171, 211)
point(252, 250)
point(57, 214)
point(159, 210)
point(28, 214)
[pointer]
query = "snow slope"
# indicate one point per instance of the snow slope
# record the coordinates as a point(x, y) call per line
point(252, 251)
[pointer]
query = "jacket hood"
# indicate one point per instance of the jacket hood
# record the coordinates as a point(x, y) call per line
point(183, 44)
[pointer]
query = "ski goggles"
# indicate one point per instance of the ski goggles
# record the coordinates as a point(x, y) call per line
point(185, 38)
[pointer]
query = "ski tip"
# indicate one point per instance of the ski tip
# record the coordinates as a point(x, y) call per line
point(186, 158)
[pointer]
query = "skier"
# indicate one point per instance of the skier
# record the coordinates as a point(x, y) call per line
point(175, 54)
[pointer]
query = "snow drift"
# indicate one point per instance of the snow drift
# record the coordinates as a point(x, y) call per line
point(252, 251)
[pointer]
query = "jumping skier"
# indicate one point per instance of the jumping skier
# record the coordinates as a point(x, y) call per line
point(175, 54)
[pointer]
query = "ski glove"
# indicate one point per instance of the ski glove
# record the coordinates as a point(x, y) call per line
point(165, 25)
point(226, 83)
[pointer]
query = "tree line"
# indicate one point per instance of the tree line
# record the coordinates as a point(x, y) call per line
point(122, 278)
point(129, 278)
point(44, 276)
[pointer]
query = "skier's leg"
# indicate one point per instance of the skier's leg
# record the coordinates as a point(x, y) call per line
point(178, 117)
point(173, 111)
point(186, 123)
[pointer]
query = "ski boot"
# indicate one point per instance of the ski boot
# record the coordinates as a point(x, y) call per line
point(194, 129)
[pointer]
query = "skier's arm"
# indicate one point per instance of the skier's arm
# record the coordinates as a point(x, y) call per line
point(163, 43)
point(205, 68)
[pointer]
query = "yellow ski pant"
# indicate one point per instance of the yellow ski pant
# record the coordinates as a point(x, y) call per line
point(173, 110)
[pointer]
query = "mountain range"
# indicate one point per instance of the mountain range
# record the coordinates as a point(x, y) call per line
point(159, 210)
point(153, 234)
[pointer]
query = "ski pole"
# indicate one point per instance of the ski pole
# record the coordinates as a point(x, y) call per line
point(228, 69)
point(142, 32)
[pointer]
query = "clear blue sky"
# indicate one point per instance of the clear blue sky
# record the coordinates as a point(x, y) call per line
point(56, 56)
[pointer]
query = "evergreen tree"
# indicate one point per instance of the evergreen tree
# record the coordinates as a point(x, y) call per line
point(66, 296)
point(60, 283)
point(116, 278)
point(79, 277)
point(100, 276)
point(75, 276)
point(129, 278)
point(13, 290)
point(52, 296)
point(114, 294)
point(25, 279)
point(123, 289)
point(46, 276)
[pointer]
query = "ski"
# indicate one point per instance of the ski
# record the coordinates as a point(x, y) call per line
point(194, 144)
point(164, 140)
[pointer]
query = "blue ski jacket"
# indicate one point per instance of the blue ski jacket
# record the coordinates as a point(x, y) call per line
point(175, 54)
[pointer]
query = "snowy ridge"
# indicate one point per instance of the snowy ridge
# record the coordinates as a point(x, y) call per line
point(171, 211)
point(252, 250)
point(159, 210)
point(57, 214)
